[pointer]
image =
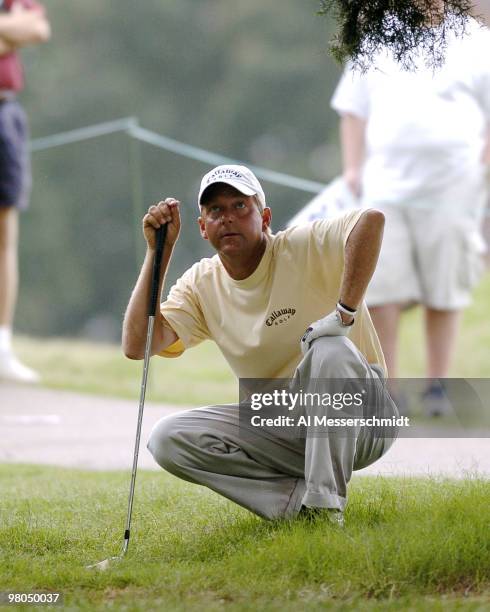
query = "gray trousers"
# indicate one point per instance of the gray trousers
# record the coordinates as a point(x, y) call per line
point(269, 475)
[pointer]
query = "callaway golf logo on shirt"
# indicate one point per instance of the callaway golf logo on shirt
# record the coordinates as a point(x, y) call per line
point(279, 316)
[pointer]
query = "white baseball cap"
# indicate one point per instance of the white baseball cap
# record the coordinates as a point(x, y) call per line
point(239, 177)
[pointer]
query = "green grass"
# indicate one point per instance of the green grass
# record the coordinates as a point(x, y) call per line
point(415, 544)
point(201, 376)
point(471, 354)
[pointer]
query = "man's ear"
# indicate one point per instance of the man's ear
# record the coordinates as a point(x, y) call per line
point(266, 218)
point(202, 228)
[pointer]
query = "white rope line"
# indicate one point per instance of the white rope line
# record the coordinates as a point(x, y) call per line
point(72, 136)
point(130, 125)
point(180, 148)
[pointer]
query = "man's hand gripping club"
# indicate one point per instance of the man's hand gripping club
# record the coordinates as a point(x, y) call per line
point(166, 211)
point(135, 319)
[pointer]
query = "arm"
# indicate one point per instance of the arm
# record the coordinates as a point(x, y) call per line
point(361, 255)
point(136, 316)
point(23, 27)
point(352, 139)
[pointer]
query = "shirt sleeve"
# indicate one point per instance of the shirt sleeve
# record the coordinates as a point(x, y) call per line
point(352, 94)
point(182, 312)
point(332, 234)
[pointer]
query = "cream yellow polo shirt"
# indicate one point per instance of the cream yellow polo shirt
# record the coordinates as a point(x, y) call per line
point(258, 322)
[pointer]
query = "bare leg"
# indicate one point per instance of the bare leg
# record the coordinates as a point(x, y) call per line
point(9, 277)
point(386, 320)
point(441, 328)
point(11, 368)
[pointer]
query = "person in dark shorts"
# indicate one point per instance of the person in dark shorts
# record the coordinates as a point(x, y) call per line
point(22, 23)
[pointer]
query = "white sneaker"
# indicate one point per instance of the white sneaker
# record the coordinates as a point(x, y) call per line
point(12, 370)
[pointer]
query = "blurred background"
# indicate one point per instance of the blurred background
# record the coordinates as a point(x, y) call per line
point(250, 81)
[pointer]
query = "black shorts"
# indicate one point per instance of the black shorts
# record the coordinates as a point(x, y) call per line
point(15, 169)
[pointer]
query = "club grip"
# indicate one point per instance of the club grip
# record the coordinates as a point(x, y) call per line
point(161, 234)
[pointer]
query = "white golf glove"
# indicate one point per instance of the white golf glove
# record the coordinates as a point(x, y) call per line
point(331, 325)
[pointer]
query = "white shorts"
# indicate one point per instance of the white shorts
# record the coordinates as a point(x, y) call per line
point(433, 257)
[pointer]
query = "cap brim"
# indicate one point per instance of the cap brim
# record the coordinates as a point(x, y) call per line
point(236, 184)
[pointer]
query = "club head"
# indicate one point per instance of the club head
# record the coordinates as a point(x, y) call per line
point(105, 564)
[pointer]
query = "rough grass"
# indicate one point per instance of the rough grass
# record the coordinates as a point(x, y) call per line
point(102, 369)
point(413, 544)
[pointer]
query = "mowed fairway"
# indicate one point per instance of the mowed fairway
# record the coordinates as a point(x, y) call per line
point(408, 544)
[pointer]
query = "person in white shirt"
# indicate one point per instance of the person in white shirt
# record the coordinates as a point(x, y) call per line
point(415, 146)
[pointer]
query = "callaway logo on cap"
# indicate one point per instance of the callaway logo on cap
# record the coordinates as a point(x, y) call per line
point(239, 177)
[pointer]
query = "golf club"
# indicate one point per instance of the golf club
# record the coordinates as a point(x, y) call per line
point(161, 233)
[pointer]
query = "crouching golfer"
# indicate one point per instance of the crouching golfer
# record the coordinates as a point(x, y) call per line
point(255, 298)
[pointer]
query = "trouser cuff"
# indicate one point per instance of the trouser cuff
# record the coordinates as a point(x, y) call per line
point(316, 499)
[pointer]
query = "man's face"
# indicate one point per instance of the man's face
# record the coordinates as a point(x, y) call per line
point(233, 223)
